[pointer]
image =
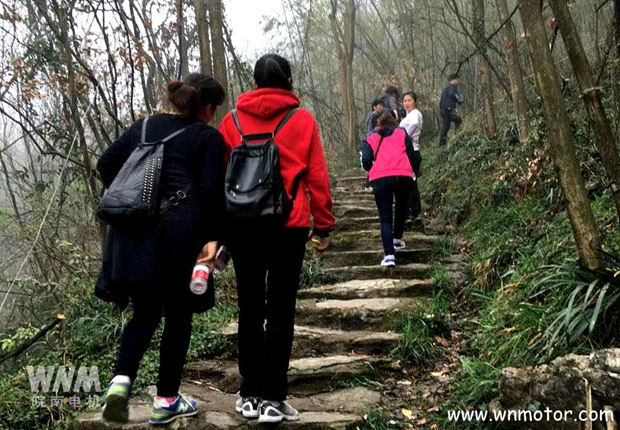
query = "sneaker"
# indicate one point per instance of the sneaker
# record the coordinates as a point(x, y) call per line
point(398, 244)
point(116, 402)
point(163, 413)
point(275, 412)
point(248, 406)
point(388, 261)
point(368, 190)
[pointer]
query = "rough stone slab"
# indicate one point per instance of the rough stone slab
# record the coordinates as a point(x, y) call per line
point(302, 377)
point(370, 288)
point(351, 180)
point(352, 211)
point(408, 271)
point(356, 223)
point(380, 314)
point(317, 341)
point(371, 239)
point(333, 259)
point(323, 411)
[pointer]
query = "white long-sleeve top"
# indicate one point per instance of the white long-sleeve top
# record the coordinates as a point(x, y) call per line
point(413, 124)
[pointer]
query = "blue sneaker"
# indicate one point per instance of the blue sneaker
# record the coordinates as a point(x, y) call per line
point(388, 261)
point(164, 413)
point(116, 402)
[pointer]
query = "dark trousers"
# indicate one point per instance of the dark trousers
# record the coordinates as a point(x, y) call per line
point(387, 191)
point(148, 306)
point(415, 201)
point(448, 117)
point(267, 264)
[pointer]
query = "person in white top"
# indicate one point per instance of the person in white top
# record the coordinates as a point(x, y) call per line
point(412, 123)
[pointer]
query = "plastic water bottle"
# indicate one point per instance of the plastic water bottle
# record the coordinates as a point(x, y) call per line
point(221, 259)
point(200, 277)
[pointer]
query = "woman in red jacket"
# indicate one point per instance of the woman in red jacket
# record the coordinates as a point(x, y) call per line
point(268, 258)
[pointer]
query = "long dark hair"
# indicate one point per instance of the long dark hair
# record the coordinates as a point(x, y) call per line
point(196, 91)
point(386, 119)
point(273, 71)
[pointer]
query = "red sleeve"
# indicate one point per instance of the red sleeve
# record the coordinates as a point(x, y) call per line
point(224, 129)
point(317, 182)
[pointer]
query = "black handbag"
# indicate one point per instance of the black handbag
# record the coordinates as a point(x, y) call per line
point(134, 195)
point(254, 187)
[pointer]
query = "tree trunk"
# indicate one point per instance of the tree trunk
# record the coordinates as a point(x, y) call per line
point(560, 135)
point(514, 71)
point(345, 42)
point(349, 38)
point(216, 12)
point(591, 96)
point(184, 66)
point(204, 39)
point(616, 70)
point(490, 127)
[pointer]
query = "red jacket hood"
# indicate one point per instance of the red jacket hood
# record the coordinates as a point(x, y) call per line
point(266, 103)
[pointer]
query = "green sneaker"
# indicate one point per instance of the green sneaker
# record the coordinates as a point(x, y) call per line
point(181, 407)
point(116, 402)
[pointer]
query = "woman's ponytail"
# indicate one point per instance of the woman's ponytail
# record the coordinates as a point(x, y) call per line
point(197, 91)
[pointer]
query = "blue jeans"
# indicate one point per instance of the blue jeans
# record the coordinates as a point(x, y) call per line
point(387, 191)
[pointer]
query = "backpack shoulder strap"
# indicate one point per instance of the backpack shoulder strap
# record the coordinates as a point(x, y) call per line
point(167, 138)
point(236, 121)
point(143, 134)
point(284, 120)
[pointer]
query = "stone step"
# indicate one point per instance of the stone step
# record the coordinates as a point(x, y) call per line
point(333, 410)
point(371, 222)
point(379, 314)
point(375, 288)
point(306, 376)
point(316, 341)
point(351, 180)
point(407, 271)
point(367, 258)
point(354, 211)
point(371, 239)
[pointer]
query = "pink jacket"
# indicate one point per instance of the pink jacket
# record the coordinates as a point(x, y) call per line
point(392, 159)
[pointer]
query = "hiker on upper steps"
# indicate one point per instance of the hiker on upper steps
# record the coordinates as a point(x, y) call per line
point(413, 124)
point(389, 157)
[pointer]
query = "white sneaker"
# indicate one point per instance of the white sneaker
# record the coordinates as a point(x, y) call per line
point(247, 406)
point(275, 412)
point(398, 244)
point(388, 261)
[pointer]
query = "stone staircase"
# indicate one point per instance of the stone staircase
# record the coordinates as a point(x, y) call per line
point(344, 331)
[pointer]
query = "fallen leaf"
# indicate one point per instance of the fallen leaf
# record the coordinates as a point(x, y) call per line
point(404, 382)
point(407, 413)
point(434, 426)
point(433, 409)
point(443, 342)
point(422, 422)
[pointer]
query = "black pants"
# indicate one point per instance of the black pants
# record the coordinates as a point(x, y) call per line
point(267, 264)
point(448, 117)
point(388, 190)
point(148, 306)
point(415, 201)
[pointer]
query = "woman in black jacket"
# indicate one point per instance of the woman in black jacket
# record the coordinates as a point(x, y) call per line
point(152, 264)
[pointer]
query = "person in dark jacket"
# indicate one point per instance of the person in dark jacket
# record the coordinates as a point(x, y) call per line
point(373, 116)
point(389, 157)
point(268, 256)
point(390, 101)
point(450, 97)
point(153, 263)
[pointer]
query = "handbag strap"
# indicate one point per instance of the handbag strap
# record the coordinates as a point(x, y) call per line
point(378, 147)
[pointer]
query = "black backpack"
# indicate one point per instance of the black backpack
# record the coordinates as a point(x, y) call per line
point(134, 195)
point(254, 187)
